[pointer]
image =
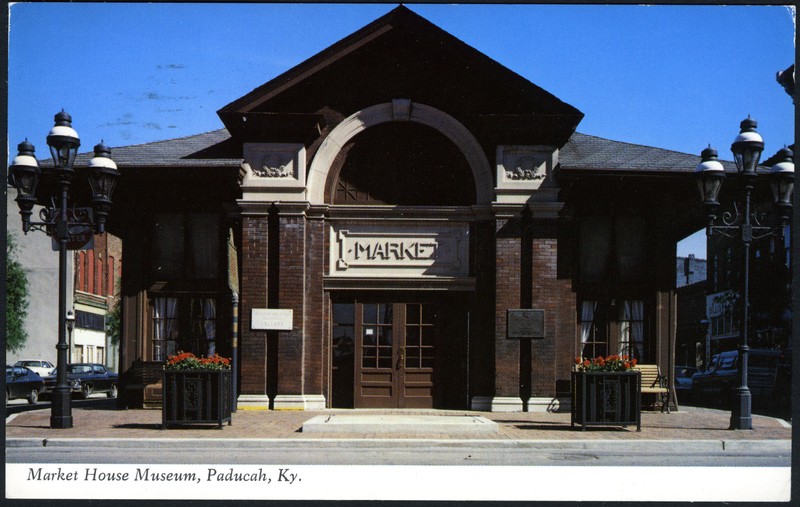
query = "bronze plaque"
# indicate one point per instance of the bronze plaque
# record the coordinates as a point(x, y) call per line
point(525, 324)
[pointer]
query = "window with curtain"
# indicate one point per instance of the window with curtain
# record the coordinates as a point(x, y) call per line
point(613, 326)
point(631, 329)
point(594, 334)
point(187, 324)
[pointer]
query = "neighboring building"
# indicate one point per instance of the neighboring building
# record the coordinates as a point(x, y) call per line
point(399, 193)
point(35, 254)
point(90, 294)
point(690, 270)
point(96, 280)
point(770, 293)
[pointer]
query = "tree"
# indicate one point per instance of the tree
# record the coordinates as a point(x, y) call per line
point(114, 322)
point(16, 298)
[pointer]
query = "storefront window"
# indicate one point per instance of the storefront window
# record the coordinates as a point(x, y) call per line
point(631, 329)
point(594, 336)
point(613, 326)
point(187, 324)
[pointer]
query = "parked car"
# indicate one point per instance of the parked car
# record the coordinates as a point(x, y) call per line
point(87, 378)
point(23, 383)
point(683, 378)
point(720, 380)
point(40, 366)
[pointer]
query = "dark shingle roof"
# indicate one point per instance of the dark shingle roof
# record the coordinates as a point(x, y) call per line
point(587, 152)
point(581, 152)
point(201, 150)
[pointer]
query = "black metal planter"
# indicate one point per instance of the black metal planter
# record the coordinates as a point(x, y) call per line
point(606, 399)
point(196, 397)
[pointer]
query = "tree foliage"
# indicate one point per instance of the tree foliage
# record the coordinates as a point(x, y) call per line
point(16, 298)
point(114, 322)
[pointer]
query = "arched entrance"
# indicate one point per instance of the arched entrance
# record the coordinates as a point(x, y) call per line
point(399, 284)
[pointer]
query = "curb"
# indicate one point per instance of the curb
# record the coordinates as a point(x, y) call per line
point(626, 447)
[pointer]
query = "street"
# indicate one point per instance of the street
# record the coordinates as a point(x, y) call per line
point(405, 452)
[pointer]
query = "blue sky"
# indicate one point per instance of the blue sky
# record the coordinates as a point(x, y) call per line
point(675, 77)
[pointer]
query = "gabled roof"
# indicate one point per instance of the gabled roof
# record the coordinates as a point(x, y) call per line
point(402, 56)
point(581, 153)
point(584, 152)
point(210, 149)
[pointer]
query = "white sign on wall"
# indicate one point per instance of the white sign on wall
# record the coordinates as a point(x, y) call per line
point(400, 250)
point(270, 319)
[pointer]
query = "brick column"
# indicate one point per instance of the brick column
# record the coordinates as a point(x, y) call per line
point(253, 344)
point(482, 322)
point(291, 258)
point(507, 296)
point(552, 357)
point(316, 328)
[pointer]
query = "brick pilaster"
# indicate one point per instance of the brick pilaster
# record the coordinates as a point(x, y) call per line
point(507, 295)
point(291, 259)
point(315, 329)
point(253, 344)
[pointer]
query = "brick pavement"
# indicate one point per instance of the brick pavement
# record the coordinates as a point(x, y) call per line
point(688, 424)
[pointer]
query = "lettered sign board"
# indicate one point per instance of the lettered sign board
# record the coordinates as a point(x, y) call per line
point(270, 319)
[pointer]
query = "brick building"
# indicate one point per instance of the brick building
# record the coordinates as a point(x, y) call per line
point(96, 276)
point(386, 218)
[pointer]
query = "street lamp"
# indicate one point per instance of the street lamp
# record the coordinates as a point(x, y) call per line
point(61, 223)
point(70, 328)
point(746, 225)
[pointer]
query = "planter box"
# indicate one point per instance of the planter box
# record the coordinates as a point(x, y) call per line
point(196, 397)
point(606, 399)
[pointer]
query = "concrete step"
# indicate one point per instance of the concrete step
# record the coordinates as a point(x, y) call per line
point(405, 424)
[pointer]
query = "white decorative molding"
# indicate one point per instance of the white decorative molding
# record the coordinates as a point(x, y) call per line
point(299, 402)
point(401, 109)
point(252, 400)
point(525, 173)
point(549, 405)
point(399, 250)
point(273, 171)
point(396, 111)
point(481, 403)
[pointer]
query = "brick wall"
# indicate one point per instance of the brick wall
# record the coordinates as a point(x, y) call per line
point(527, 269)
point(315, 328)
point(552, 357)
point(252, 346)
point(291, 285)
point(507, 295)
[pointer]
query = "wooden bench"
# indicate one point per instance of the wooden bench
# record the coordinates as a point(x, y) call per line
point(654, 383)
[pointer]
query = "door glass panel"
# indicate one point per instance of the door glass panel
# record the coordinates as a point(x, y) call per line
point(385, 314)
point(376, 344)
point(420, 337)
point(370, 314)
point(344, 313)
point(412, 314)
point(428, 334)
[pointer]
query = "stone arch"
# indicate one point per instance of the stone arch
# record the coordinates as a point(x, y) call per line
point(400, 110)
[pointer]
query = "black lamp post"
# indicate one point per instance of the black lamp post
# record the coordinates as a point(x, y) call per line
point(70, 328)
point(61, 223)
point(746, 225)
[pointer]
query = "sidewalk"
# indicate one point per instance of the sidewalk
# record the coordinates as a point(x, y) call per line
point(688, 424)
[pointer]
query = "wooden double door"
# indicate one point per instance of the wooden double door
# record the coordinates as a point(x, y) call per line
point(389, 354)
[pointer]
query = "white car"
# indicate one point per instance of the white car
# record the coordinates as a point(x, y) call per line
point(40, 366)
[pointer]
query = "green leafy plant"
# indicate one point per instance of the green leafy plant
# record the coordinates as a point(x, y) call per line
point(16, 298)
point(184, 361)
point(608, 363)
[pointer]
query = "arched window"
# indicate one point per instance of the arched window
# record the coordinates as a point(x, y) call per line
point(402, 163)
